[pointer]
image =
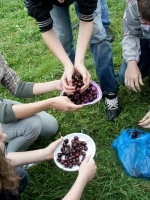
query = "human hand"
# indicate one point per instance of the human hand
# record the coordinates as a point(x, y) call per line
point(49, 150)
point(67, 80)
point(81, 69)
point(87, 168)
point(145, 122)
point(133, 76)
point(63, 103)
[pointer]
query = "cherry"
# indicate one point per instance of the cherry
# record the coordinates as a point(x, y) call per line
point(72, 154)
point(89, 95)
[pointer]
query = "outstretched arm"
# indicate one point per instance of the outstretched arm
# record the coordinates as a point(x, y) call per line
point(56, 47)
point(85, 32)
point(43, 88)
point(21, 158)
point(86, 173)
point(61, 103)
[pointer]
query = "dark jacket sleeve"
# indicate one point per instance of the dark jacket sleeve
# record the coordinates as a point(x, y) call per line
point(40, 10)
point(86, 9)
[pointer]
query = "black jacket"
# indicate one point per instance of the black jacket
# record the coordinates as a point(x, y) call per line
point(40, 10)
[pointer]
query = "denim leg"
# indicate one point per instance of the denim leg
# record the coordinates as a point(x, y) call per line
point(121, 73)
point(144, 63)
point(22, 185)
point(63, 29)
point(102, 54)
point(105, 14)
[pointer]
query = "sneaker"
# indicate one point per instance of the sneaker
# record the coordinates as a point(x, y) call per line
point(110, 36)
point(113, 108)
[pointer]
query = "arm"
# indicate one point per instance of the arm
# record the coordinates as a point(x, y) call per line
point(131, 46)
point(87, 171)
point(56, 47)
point(11, 113)
point(132, 32)
point(21, 158)
point(43, 88)
point(85, 32)
point(86, 10)
point(60, 103)
point(22, 89)
point(40, 10)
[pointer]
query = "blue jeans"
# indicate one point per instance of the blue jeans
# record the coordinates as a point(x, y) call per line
point(143, 64)
point(105, 13)
point(22, 185)
point(99, 45)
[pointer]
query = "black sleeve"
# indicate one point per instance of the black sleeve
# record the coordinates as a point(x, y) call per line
point(86, 9)
point(40, 10)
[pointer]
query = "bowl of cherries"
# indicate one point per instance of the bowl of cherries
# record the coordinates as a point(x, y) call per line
point(72, 151)
point(90, 96)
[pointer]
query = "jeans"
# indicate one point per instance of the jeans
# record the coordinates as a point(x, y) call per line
point(99, 45)
point(105, 13)
point(143, 64)
point(22, 133)
point(22, 185)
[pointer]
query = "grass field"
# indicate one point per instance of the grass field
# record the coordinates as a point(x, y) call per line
point(25, 51)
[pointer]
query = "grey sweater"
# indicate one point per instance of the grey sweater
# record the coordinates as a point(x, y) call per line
point(134, 29)
point(18, 88)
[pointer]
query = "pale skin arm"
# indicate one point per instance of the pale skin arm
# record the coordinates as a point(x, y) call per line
point(56, 47)
point(133, 77)
point(43, 88)
point(84, 35)
point(87, 171)
point(21, 158)
point(145, 121)
point(61, 103)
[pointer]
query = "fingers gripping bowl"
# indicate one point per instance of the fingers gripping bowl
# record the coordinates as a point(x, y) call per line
point(90, 96)
point(72, 151)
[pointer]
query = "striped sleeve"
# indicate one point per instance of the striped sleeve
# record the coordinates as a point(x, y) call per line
point(86, 9)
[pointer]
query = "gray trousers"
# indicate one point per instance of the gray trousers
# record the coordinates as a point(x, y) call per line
point(21, 134)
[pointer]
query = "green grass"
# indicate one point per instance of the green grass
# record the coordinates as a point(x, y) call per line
point(25, 51)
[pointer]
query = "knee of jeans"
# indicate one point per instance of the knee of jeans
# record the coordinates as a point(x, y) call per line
point(34, 127)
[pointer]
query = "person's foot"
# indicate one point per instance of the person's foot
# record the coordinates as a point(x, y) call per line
point(110, 36)
point(75, 26)
point(113, 107)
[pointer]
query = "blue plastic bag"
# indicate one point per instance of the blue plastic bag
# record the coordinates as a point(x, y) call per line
point(133, 150)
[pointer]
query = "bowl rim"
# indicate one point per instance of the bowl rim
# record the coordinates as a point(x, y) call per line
point(95, 100)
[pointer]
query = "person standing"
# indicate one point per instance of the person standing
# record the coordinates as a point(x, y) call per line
point(54, 23)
